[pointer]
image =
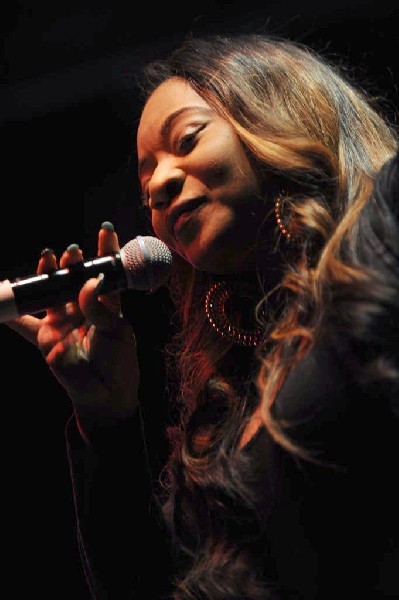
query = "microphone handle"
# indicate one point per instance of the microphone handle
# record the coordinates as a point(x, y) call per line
point(33, 294)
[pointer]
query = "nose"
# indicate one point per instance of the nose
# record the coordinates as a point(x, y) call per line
point(166, 183)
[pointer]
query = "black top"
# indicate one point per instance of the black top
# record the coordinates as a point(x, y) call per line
point(332, 530)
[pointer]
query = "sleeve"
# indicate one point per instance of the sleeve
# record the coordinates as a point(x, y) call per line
point(361, 314)
point(375, 318)
point(119, 524)
point(378, 240)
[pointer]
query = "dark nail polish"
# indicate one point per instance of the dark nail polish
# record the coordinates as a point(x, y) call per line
point(46, 252)
point(107, 225)
point(73, 247)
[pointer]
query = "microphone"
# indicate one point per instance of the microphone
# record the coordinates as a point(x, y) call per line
point(144, 263)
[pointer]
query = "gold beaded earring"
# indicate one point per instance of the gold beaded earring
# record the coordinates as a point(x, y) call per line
point(216, 301)
point(277, 211)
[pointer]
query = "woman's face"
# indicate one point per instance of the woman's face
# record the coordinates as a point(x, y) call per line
point(202, 190)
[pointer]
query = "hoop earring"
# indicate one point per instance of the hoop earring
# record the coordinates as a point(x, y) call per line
point(277, 211)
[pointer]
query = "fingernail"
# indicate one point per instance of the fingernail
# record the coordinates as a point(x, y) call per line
point(100, 282)
point(107, 225)
point(73, 247)
point(46, 252)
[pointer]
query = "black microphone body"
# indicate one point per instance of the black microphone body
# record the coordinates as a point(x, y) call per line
point(144, 263)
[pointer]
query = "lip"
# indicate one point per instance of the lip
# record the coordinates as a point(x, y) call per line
point(180, 213)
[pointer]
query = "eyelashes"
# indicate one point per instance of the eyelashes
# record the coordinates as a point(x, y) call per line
point(187, 143)
point(190, 139)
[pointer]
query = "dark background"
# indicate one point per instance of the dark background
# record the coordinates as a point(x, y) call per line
point(67, 111)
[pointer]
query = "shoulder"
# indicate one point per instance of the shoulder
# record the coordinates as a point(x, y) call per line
point(320, 385)
point(326, 406)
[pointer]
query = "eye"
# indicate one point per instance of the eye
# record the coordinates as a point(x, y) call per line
point(187, 142)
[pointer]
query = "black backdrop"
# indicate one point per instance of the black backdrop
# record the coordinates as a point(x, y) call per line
point(66, 115)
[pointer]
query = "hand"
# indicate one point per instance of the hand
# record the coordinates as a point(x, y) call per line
point(88, 345)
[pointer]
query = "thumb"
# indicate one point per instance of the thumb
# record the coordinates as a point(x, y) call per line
point(103, 315)
point(26, 326)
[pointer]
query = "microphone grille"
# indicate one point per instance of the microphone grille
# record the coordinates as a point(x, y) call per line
point(147, 262)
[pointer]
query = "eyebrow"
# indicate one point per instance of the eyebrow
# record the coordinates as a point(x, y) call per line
point(167, 123)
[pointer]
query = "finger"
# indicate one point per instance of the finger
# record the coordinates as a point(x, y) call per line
point(27, 326)
point(73, 254)
point(47, 261)
point(108, 241)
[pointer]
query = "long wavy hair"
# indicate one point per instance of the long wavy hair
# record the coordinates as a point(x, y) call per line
point(321, 140)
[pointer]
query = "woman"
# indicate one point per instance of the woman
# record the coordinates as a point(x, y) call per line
point(274, 182)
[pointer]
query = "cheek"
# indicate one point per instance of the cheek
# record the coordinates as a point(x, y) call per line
point(229, 165)
point(213, 169)
point(217, 157)
point(160, 230)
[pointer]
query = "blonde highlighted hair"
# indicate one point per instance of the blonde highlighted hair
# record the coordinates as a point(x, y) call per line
point(317, 139)
point(319, 136)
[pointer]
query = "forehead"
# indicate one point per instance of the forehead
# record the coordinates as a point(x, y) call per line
point(171, 96)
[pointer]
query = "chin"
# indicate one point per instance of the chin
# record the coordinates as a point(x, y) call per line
point(219, 257)
point(220, 266)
